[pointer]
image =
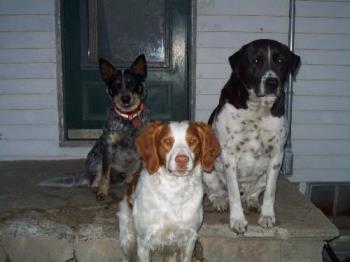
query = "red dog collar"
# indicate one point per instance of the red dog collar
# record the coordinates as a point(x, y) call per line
point(130, 115)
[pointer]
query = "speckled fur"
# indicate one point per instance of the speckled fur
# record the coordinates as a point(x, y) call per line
point(250, 125)
point(122, 153)
point(115, 150)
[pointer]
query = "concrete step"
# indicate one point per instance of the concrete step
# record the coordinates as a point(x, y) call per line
point(68, 224)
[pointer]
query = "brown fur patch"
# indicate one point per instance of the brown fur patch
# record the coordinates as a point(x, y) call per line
point(103, 186)
point(148, 147)
point(132, 183)
point(194, 142)
point(116, 137)
point(210, 147)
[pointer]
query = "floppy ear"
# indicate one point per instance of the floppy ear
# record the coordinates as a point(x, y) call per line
point(295, 63)
point(234, 61)
point(106, 69)
point(146, 146)
point(139, 67)
point(210, 146)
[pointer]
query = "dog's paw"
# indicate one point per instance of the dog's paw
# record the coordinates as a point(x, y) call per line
point(267, 221)
point(238, 226)
point(220, 204)
point(101, 196)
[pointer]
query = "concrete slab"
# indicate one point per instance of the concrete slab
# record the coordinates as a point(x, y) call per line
point(68, 224)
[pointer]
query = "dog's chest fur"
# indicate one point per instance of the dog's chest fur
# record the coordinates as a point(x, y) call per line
point(168, 208)
point(251, 137)
point(117, 141)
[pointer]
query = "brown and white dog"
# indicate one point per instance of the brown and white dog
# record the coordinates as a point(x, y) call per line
point(163, 207)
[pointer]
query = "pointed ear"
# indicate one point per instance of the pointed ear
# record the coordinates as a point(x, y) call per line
point(139, 67)
point(295, 63)
point(235, 61)
point(210, 146)
point(147, 148)
point(106, 69)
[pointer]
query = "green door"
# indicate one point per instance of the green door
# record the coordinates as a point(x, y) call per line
point(119, 31)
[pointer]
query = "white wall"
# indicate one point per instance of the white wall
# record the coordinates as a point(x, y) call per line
point(28, 82)
point(321, 117)
point(321, 123)
point(223, 26)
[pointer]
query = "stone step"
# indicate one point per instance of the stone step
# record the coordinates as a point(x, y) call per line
point(67, 224)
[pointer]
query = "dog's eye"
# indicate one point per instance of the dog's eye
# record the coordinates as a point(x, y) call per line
point(166, 141)
point(118, 82)
point(280, 61)
point(257, 60)
point(193, 141)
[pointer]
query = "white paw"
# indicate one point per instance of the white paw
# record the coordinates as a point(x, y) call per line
point(239, 226)
point(267, 221)
point(219, 203)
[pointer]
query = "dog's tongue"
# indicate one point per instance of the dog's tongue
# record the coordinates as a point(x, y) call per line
point(136, 123)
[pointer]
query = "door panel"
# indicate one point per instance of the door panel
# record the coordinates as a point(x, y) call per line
point(119, 31)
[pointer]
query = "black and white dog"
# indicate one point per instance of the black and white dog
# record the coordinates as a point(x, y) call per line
point(250, 125)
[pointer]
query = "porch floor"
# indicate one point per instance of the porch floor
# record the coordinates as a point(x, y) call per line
point(68, 224)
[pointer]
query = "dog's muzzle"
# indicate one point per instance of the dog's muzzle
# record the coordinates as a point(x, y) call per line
point(269, 85)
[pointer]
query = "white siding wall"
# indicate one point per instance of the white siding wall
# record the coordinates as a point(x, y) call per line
point(223, 26)
point(321, 123)
point(321, 117)
point(321, 114)
point(28, 82)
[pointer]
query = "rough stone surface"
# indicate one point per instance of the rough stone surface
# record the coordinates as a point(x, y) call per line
point(38, 249)
point(98, 250)
point(295, 250)
point(68, 224)
point(218, 249)
point(3, 254)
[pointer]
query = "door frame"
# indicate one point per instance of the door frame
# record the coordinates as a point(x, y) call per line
point(191, 47)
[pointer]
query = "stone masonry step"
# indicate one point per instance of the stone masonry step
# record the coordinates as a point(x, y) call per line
point(68, 224)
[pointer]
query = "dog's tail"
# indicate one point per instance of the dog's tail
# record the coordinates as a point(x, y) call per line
point(76, 180)
point(127, 234)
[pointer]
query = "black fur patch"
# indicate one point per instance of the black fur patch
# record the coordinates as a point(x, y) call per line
point(247, 74)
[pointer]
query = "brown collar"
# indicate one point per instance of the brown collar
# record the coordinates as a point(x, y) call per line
point(130, 115)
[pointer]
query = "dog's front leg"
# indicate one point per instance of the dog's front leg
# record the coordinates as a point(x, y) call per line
point(189, 248)
point(238, 223)
point(215, 190)
point(103, 186)
point(267, 215)
point(143, 251)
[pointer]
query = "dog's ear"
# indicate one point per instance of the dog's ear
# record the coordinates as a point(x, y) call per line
point(106, 69)
point(234, 61)
point(146, 146)
point(210, 146)
point(139, 67)
point(295, 63)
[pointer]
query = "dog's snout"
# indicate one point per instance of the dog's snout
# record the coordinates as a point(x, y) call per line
point(182, 161)
point(271, 82)
point(126, 99)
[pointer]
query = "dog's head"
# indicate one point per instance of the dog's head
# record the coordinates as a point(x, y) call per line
point(263, 66)
point(125, 87)
point(178, 147)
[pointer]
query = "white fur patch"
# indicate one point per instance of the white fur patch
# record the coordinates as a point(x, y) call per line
point(167, 209)
point(180, 146)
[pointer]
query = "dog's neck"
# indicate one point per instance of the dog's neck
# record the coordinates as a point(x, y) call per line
point(130, 115)
point(260, 105)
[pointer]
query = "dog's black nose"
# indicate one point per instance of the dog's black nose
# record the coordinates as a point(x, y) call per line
point(271, 82)
point(125, 99)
